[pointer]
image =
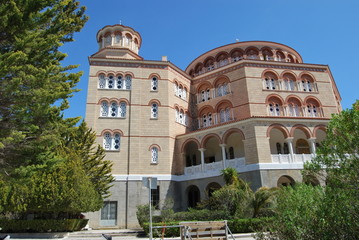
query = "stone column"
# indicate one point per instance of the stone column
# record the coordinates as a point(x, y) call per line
point(290, 146)
point(223, 147)
point(312, 145)
point(202, 158)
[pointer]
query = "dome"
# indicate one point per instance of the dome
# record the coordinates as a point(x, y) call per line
point(119, 36)
point(250, 50)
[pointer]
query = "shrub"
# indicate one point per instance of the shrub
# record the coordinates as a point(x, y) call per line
point(169, 232)
point(41, 225)
point(248, 225)
point(201, 215)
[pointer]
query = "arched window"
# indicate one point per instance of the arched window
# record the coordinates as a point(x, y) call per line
point(307, 86)
point(180, 91)
point(154, 84)
point(119, 82)
point(312, 110)
point(274, 109)
point(289, 83)
point(207, 120)
point(108, 40)
point(307, 83)
point(128, 82)
point(181, 117)
point(118, 38)
point(111, 82)
point(101, 81)
point(104, 109)
point(107, 141)
point(113, 109)
point(225, 115)
point(154, 110)
point(294, 110)
point(111, 142)
point(184, 93)
point(154, 155)
point(270, 83)
point(222, 90)
point(122, 112)
point(116, 142)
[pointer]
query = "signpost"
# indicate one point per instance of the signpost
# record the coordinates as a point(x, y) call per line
point(150, 183)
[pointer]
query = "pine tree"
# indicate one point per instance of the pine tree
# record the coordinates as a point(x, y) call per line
point(47, 164)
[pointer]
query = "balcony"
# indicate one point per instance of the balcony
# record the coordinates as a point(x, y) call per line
point(278, 161)
point(295, 158)
point(213, 169)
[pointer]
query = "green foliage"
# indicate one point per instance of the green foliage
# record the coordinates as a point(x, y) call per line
point(37, 225)
point(235, 225)
point(200, 215)
point(247, 225)
point(337, 158)
point(238, 200)
point(47, 163)
point(168, 232)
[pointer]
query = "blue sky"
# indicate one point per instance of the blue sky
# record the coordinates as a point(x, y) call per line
point(322, 31)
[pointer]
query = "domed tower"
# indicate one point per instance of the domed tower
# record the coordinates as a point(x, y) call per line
point(118, 41)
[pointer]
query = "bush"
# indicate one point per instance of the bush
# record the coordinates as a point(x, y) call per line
point(249, 224)
point(169, 232)
point(41, 225)
point(201, 215)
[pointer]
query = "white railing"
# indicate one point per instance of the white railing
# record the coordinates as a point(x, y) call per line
point(288, 158)
point(214, 168)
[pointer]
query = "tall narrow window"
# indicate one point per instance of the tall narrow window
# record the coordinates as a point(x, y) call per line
point(128, 82)
point(116, 142)
point(285, 148)
point(180, 91)
point(203, 95)
point(208, 93)
point(177, 115)
point(107, 141)
point(119, 82)
point(111, 82)
point(154, 155)
point(155, 197)
point(184, 93)
point(113, 109)
point(123, 109)
point(181, 117)
point(102, 81)
point(154, 110)
point(279, 148)
point(104, 109)
point(154, 84)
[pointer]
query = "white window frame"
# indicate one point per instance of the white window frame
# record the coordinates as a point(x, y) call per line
point(154, 110)
point(154, 155)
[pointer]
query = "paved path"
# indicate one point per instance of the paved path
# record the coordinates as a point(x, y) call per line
point(119, 234)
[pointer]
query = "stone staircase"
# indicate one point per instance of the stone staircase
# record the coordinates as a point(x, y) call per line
point(115, 233)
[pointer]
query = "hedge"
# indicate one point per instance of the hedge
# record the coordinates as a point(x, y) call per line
point(235, 225)
point(247, 225)
point(42, 225)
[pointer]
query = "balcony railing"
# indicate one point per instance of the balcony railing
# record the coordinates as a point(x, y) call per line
point(288, 158)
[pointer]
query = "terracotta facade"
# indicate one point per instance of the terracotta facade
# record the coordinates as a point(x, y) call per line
point(255, 106)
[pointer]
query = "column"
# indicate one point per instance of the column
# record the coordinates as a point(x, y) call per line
point(223, 147)
point(312, 145)
point(290, 146)
point(202, 158)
